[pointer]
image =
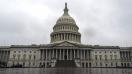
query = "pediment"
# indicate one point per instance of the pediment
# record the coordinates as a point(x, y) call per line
point(65, 44)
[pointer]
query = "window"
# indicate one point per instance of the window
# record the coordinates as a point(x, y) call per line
point(23, 63)
point(14, 56)
point(105, 57)
point(111, 57)
point(100, 64)
point(29, 63)
point(115, 57)
point(33, 64)
point(34, 57)
point(116, 64)
point(96, 64)
point(29, 57)
point(24, 56)
point(19, 57)
point(100, 56)
point(111, 64)
point(95, 57)
point(24, 51)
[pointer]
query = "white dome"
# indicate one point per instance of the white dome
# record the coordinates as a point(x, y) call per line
point(65, 29)
point(65, 19)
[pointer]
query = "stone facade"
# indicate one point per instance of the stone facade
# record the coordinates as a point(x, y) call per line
point(65, 45)
point(25, 56)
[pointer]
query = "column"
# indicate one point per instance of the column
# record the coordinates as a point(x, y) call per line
point(53, 53)
point(74, 54)
point(75, 37)
point(78, 53)
point(45, 54)
point(60, 54)
point(55, 37)
point(69, 36)
point(63, 54)
point(81, 53)
point(70, 54)
point(66, 36)
point(72, 37)
point(42, 54)
point(50, 54)
point(56, 53)
point(62, 37)
point(59, 37)
point(67, 54)
point(84, 54)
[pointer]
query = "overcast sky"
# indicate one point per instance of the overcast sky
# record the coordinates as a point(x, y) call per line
point(101, 22)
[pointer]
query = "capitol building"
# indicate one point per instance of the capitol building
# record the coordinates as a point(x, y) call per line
point(65, 50)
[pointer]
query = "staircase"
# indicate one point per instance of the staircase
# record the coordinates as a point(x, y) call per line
point(65, 63)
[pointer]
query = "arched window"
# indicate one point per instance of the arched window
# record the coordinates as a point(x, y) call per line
point(96, 57)
point(14, 56)
point(100, 56)
point(115, 57)
point(19, 56)
point(111, 57)
point(30, 57)
point(34, 57)
point(24, 56)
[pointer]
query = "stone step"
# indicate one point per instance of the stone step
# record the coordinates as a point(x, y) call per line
point(65, 63)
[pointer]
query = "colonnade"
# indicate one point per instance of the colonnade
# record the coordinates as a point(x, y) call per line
point(65, 54)
point(126, 59)
point(65, 36)
point(65, 28)
point(125, 55)
point(4, 56)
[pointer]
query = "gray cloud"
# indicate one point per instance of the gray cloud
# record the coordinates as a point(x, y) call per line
point(101, 22)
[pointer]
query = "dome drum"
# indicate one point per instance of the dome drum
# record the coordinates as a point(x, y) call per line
point(65, 27)
point(64, 36)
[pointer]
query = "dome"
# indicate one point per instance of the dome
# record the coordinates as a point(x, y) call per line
point(65, 29)
point(66, 18)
